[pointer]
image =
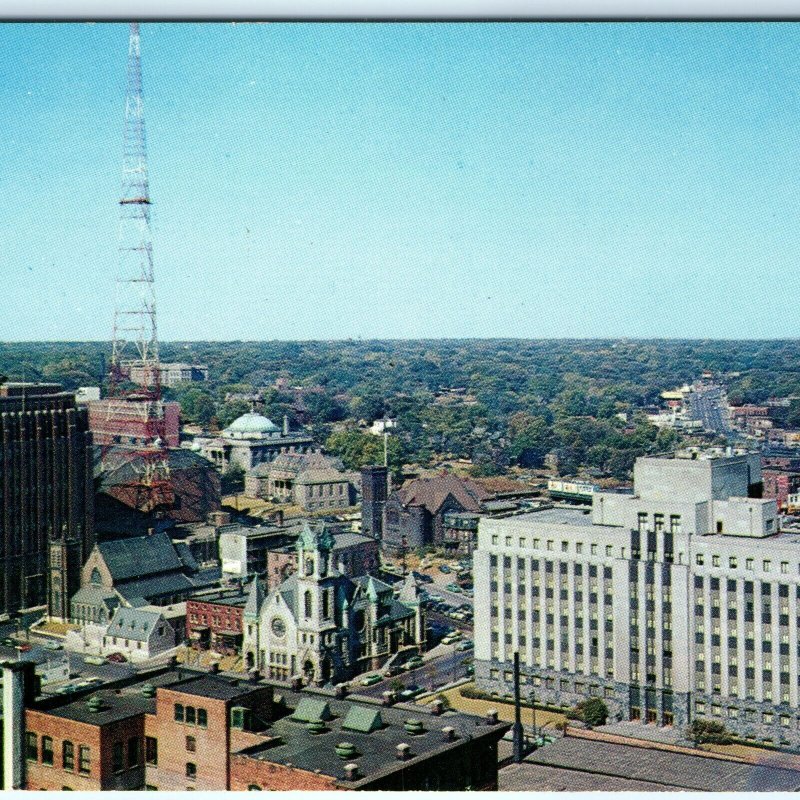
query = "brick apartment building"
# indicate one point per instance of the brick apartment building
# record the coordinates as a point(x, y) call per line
point(214, 620)
point(184, 730)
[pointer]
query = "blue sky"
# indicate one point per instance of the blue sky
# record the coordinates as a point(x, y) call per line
point(325, 181)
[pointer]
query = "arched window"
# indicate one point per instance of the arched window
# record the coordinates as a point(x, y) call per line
point(253, 787)
point(308, 603)
point(96, 579)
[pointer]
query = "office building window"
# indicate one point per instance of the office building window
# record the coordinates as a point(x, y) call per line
point(732, 562)
point(699, 559)
point(47, 750)
point(179, 716)
point(191, 770)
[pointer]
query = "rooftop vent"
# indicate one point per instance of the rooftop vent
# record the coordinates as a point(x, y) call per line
point(351, 772)
point(316, 727)
point(449, 734)
point(491, 716)
point(346, 750)
point(414, 727)
point(96, 704)
point(437, 707)
point(148, 690)
point(403, 752)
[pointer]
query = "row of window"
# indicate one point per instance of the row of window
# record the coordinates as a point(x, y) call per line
point(748, 714)
point(550, 544)
point(32, 753)
point(749, 563)
point(190, 715)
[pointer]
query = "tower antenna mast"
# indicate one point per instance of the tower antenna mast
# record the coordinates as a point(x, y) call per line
point(135, 338)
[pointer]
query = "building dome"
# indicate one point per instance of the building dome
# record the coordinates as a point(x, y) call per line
point(252, 425)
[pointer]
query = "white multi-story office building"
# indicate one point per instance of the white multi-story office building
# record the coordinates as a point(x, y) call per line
point(678, 601)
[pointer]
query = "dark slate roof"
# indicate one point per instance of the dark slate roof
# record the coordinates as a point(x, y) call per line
point(93, 595)
point(131, 623)
point(156, 586)
point(116, 707)
point(121, 467)
point(185, 555)
point(139, 556)
point(216, 687)
point(432, 492)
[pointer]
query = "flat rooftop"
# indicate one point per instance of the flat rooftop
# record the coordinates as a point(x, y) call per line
point(671, 770)
point(556, 516)
point(375, 751)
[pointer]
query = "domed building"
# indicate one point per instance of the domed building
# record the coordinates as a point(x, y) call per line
point(252, 439)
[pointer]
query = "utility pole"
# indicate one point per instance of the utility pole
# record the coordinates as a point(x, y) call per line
point(519, 744)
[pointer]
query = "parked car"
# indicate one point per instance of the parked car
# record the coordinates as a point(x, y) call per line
point(67, 689)
point(371, 680)
point(393, 670)
point(411, 691)
point(469, 592)
point(470, 670)
point(451, 638)
point(413, 663)
point(9, 642)
point(467, 644)
point(454, 587)
point(95, 660)
point(23, 647)
point(445, 569)
point(115, 658)
point(49, 644)
point(436, 598)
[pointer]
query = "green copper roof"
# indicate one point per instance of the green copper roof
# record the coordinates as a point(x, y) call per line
point(363, 720)
point(309, 710)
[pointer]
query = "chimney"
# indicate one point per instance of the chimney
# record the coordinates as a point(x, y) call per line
point(297, 683)
point(18, 689)
point(214, 668)
point(255, 676)
point(449, 734)
point(341, 691)
point(351, 772)
point(403, 752)
point(491, 716)
point(437, 707)
point(285, 425)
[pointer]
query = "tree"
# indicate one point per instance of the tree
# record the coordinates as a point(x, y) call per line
point(530, 439)
point(233, 479)
point(707, 730)
point(357, 449)
point(593, 711)
point(231, 411)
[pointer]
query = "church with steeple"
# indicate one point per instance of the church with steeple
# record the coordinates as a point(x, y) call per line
point(325, 626)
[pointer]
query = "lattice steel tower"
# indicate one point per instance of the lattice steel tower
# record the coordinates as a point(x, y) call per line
point(135, 343)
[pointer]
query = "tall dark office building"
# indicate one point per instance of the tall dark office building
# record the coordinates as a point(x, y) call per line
point(374, 490)
point(46, 497)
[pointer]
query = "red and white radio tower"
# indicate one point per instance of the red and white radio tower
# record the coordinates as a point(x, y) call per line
point(131, 424)
point(135, 345)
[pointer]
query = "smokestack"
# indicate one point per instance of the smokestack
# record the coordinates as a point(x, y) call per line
point(18, 688)
point(285, 424)
point(517, 728)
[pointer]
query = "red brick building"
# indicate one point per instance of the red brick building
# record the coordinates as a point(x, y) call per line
point(184, 730)
point(214, 621)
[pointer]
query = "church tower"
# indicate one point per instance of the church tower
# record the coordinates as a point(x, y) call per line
point(316, 600)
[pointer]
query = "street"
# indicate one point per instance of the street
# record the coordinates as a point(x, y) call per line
point(435, 673)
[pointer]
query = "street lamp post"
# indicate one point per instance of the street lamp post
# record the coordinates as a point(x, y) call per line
point(533, 711)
